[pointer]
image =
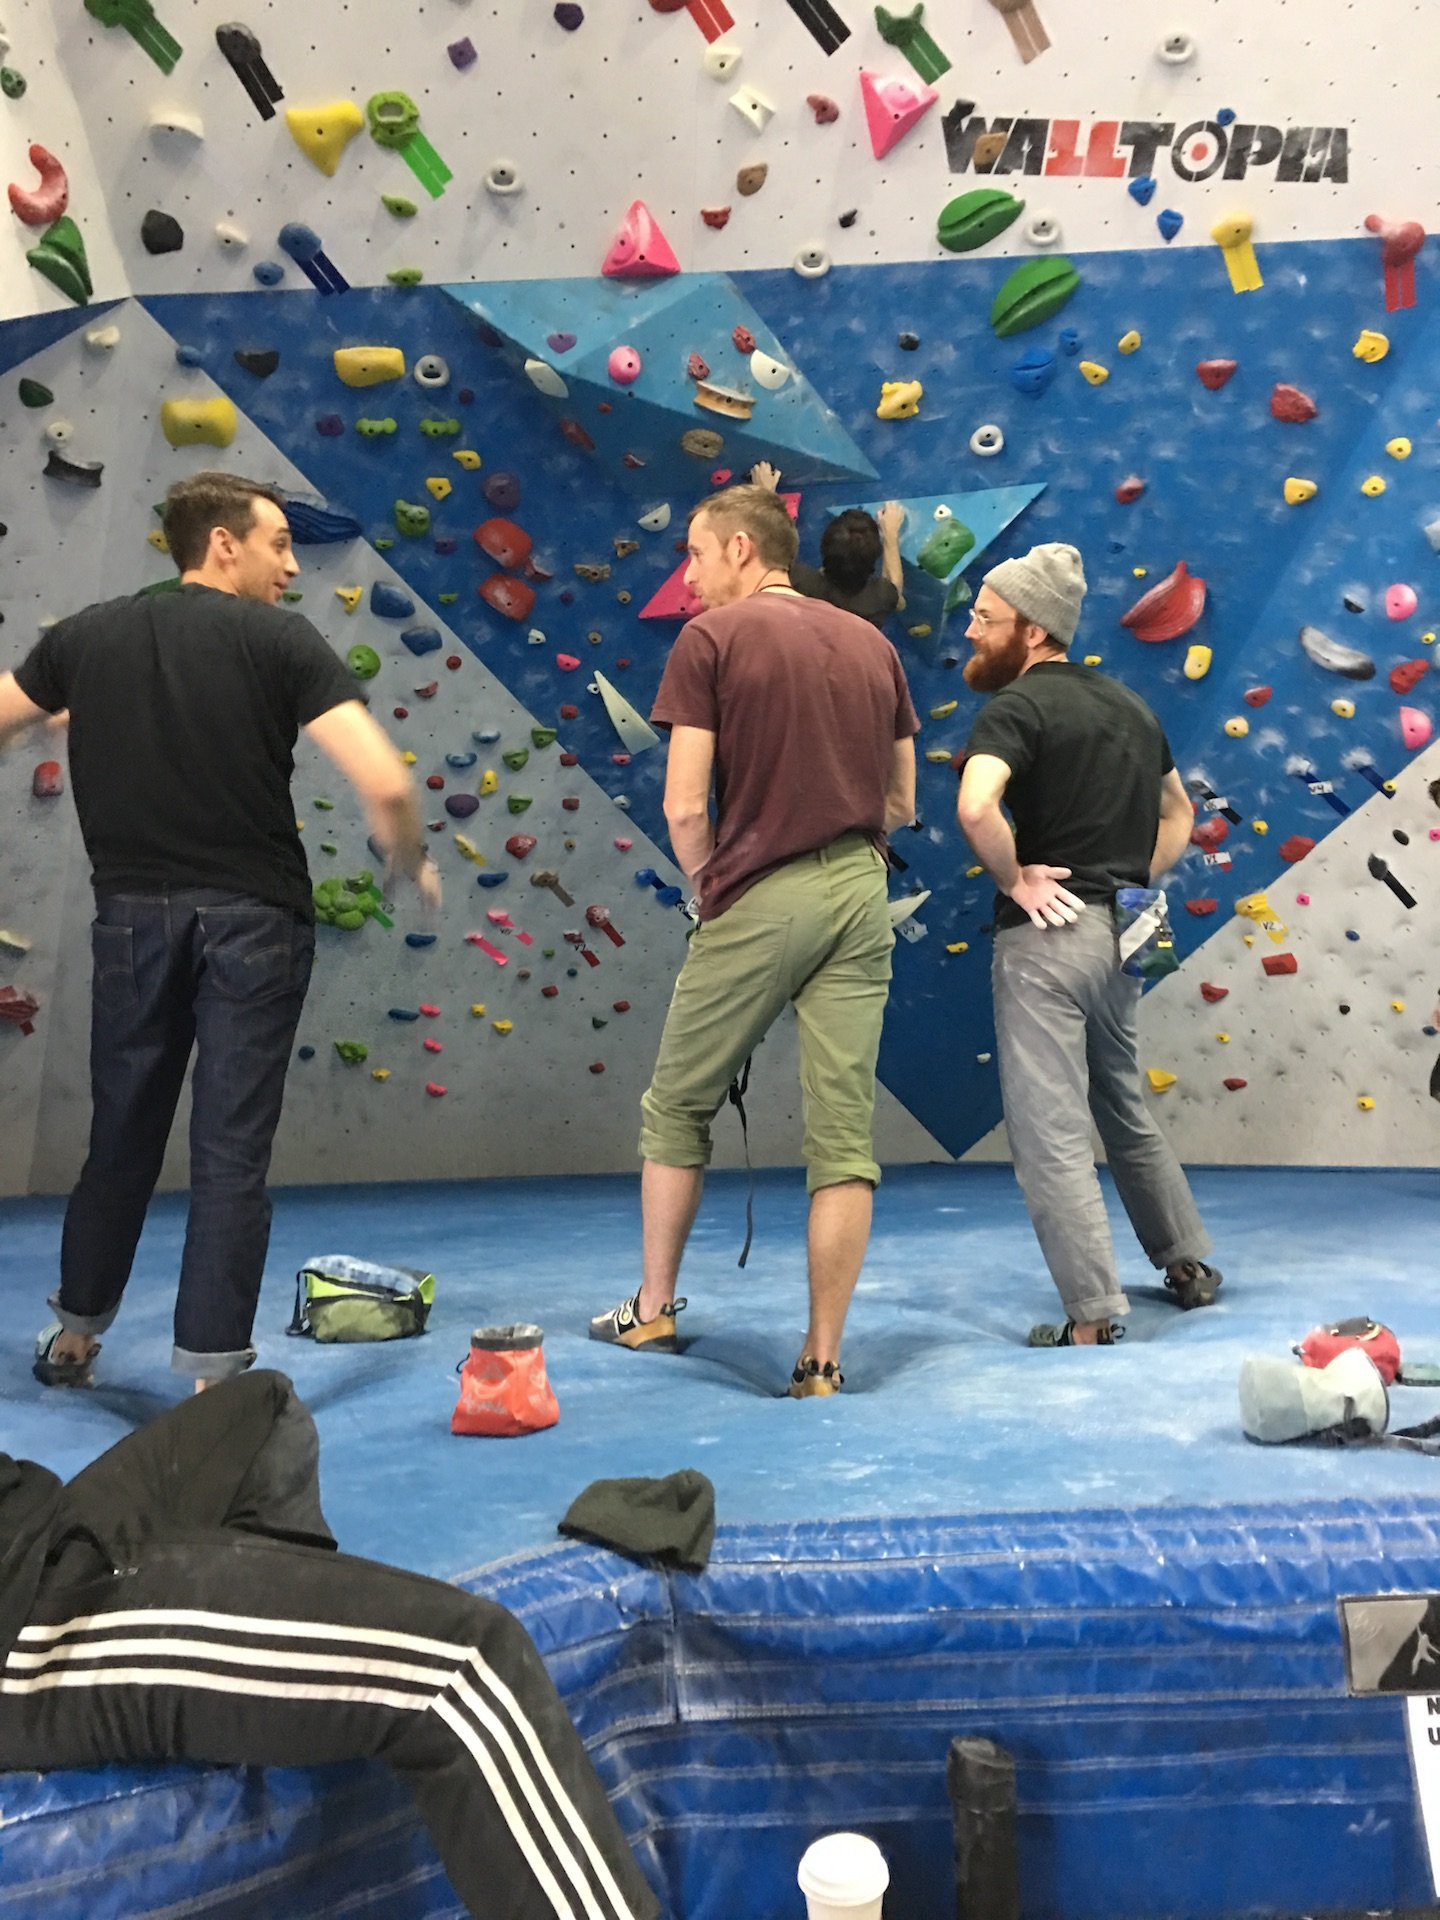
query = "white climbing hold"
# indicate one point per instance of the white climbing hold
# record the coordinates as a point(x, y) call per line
point(752, 105)
point(59, 433)
point(545, 379)
point(102, 339)
point(1176, 49)
point(987, 441)
point(768, 371)
point(812, 261)
point(1043, 229)
point(656, 519)
point(234, 239)
point(722, 59)
point(174, 127)
point(503, 177)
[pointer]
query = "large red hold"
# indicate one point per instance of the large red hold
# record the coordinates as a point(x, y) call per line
point(1169, 609)
point(1212, 995)
point(1289, 403)
point(506, 544)
point(1274, 963)
point(1214, 373)
point(1403, 678)
point(48, 780)
point(511, 597)
point(18, 1008)
point(1211, 833)
point(1296, 848)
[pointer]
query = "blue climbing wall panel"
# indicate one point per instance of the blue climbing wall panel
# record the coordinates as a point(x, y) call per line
point(1213, 464)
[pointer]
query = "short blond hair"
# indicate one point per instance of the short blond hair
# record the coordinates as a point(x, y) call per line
point(758, 512)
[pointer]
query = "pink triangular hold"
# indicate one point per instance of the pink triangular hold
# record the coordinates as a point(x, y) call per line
point(674, 601)
point(891, 108)
point(639, 250)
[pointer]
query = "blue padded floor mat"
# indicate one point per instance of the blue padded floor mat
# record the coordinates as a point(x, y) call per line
point(1078, 1553)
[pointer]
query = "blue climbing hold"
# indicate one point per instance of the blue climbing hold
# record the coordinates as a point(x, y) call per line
point(669, 896)
point(1033, 371)
point(420, 939)
point(646, 877)
point(305, 1053)
point(389, 602)
point(489, 736)
point(404, 1013)
point(496, 879)
point(299, 241)
point(1225, 117)
point(1351, 934)
point(1069, 340)
point(1142, 189)
point(313, 524)
point(460, 760)
point(422, 639)
point(268, 272)
point(1169, 222)
point(188, 356)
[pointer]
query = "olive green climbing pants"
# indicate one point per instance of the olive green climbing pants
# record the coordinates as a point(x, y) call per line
point(816, 933)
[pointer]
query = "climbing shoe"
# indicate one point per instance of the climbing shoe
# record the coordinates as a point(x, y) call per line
point(1051, 1336)
point(51, 1372)
point(623, 1327)
point(810, 1378)
point(1193, 1284)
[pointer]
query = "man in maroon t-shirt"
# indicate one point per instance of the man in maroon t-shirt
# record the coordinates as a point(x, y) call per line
point(799, 714)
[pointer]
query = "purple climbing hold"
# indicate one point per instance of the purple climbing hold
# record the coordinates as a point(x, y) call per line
point(446, 543)
point(569, 16)
point(560, 342)
point(462, 54)
point(465, 396)
point(330, 426)
point(461, 805)
point(1143, 189)
point(502, 490)
point(1169, 222)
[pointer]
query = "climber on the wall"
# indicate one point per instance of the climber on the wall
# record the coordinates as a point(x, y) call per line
point(184, 709)
point(853, 544)
point(1085, 771)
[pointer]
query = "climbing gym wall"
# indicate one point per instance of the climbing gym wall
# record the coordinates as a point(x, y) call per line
point(496, 293)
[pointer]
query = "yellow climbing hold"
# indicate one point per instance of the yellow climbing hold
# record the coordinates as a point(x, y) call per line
point(1249, 939)
point(503, 1026)
point(1256, 907)
point(1232, 236)
point(1197, 663)
point(1128, 342)
point(439, 487)
point(489, 783)
point(1366, 1102)
point(899, 400)
point(467, 457)
point(1237, 727)
point(1373, 487)
point(957, 946)
point(1223, 1038)
point(1397, 1006)
point(1343, 709)
point(1261, 827)
point(1159, 1079)
point(156, 537)
point(477, 1009)
point(1138, 573)
point(1371, 346)
point(369, 366)
point(1298, 491)
point(1094, 372)
point(938, 756)
point(1427, 639)
point(380, 1073)
point(409, 758)
point(944, 710)
point(323, 133)
point(349, 597)
point(1092, 660)
point(199, 423)
point(973, 873)
point(1398, 448)
point(469, 849)
point(919, 633)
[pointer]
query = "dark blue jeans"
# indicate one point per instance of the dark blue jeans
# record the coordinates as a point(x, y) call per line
point(226, 975)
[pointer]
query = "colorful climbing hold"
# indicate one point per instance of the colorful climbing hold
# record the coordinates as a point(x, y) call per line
point(899, 400)
point(1298, 491)
point(1034, 293)
point(639, 250)
point(1169, 609)
point(973, 219)
point(1371, 346)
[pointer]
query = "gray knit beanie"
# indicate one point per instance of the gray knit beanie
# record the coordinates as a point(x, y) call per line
point(1045, 585)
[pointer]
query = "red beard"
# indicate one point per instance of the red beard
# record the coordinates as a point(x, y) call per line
point(996, 667)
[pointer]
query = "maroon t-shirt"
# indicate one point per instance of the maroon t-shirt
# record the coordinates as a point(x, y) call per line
point(806, 703)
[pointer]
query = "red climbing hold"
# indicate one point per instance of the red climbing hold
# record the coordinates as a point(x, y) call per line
point(696, 368)
point(576, 435)
point(18, 1008)
point(520, 845)
point(1289, 403)
point(569, 759)
point(597, 1066)
point(511, 597)
point(48, 780)
point(549, 993)
point(43, 205)
point(1211, 833)
point(1201, 907)
point(434, 1046)
point(506, 544)
point(569, 713)
point(453, 662)
point(435, 1090)
point(1276, 963)
point(567, 662)
point(1129, 489)
point(1404, 677)
point(430, 1011)
point(715, 216)
point(823, 108)
point(571, 803)
point(1212, 994)
point(639, 250)
point(1296, 848)
point(744, 340)
point(1169, 609)
point(620, 1006)
point(1235, 1085)
point(1214, 373)
point(435, 782)
point(1257, 696)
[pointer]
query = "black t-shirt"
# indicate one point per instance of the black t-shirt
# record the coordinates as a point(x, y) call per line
point(1086, 759)
point(184, 708)
point(875, 601)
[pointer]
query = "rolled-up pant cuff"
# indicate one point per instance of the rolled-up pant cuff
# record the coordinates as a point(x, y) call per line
point(1104, 1306)
point(88, 1323)
point(673, 1149)
point(211, 1366)
point(1172, 1256)
point(837, 1173)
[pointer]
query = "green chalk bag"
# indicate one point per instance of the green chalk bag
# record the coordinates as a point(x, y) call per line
point(338, 1297)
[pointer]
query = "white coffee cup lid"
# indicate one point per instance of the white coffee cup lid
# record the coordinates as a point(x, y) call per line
point(845, 1869)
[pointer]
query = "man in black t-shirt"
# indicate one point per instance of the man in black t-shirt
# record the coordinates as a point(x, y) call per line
point(183, 711)
point(851, 547)
point(1086, 773)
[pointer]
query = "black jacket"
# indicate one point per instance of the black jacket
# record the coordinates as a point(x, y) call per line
point(29, 1511)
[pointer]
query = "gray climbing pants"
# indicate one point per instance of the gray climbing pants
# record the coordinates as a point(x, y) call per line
point(1065, 1035)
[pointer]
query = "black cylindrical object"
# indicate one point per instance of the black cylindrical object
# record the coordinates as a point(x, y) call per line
point(980, 1777)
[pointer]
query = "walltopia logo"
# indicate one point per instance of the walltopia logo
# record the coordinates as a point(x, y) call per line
point(1113, 149)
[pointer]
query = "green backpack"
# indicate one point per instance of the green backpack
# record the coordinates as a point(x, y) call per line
point(340, 1298)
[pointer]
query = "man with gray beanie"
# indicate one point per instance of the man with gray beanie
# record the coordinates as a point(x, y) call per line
point(1084, 769)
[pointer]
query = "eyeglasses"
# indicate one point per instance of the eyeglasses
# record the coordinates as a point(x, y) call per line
point(981, 619)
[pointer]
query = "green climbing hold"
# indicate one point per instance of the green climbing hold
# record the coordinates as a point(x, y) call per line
point(328, 846)
point(434, 429)
point(971, 219)
point(397, 204)
point(33, 394)
point(291, 596)
point(364, 663)
point(447, 599)
point(411, 520)
point(544, 736)
point(394, 118)
point(60, 258)
point(383, 542)
point(324, 806)
point(370, 429)
point(945, 549)
point(350, 902)
point(352, 1052)
point(518, 802)
point(516, 758)
point(1033, 294)
point(12, 84)
point(405, 276)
